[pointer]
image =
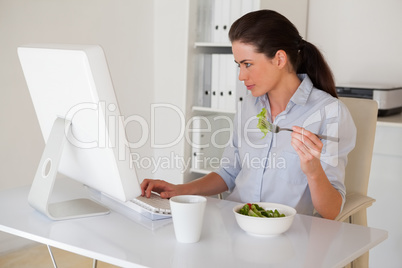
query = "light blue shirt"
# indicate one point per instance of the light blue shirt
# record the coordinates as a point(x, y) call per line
point(258, 169)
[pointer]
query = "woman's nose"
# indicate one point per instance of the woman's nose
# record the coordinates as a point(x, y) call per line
point(242, 76)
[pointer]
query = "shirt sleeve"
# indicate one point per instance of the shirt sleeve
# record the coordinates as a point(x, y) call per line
point(230, 162)
point(334, 157)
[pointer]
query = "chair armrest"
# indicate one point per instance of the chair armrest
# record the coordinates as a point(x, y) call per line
point(354, 203)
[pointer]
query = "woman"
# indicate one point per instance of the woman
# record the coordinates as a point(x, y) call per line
point(288, 77)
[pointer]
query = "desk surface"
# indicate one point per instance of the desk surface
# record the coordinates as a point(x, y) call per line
point(310, 242)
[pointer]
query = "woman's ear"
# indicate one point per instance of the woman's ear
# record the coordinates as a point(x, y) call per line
point(281, 58)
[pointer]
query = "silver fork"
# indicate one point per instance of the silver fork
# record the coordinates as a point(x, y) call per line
point(275, 129)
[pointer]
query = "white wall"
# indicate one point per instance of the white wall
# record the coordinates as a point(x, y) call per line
point(361, 39)
point(297, 14)
point(171, 46)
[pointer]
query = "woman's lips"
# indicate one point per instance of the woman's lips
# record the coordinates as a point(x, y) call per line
point(250, 87)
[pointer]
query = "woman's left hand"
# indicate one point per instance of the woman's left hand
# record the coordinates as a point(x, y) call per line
point(308, 146)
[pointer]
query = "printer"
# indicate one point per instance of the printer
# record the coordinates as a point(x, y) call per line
point(389, 99)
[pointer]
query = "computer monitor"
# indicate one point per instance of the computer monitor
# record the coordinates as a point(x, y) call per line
point(79, 117)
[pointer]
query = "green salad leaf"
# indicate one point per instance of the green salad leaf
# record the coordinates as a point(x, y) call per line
point(263, 123)
point(254, 210)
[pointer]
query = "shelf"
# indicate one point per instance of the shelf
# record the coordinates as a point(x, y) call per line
point(209, 111)
point(208, 44)
point(211, 48)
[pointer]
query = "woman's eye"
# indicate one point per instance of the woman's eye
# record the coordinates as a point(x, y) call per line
point(245, 65)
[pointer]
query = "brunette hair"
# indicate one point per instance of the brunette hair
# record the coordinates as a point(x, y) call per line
point(268, 31)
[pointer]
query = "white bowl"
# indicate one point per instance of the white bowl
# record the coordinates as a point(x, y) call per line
point(265, 226)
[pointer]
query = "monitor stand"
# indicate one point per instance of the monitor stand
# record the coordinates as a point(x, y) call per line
point(45, 177)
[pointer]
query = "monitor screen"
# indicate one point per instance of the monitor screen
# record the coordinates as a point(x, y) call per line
point(71, 84)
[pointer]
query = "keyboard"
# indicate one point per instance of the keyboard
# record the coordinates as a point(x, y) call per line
point(154, 203)
point(153, 208)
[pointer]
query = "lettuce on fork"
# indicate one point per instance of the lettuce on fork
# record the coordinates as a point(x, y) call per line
point(263, 123)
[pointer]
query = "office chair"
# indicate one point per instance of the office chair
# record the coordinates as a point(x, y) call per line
point(364, 113)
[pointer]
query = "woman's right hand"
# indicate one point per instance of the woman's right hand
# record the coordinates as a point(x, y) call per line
point(165, 189)
point(210, 184)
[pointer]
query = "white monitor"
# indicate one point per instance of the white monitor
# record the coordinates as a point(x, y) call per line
point(79, 117)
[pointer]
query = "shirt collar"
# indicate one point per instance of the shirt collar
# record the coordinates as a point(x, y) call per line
point(301, 95)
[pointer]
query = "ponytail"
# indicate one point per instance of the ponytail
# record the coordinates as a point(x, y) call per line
point(312, 62)
point(268, 31)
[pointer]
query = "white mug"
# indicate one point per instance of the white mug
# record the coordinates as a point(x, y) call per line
point(188, 216)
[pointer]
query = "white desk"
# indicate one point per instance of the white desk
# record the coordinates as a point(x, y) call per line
point(310, 242)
